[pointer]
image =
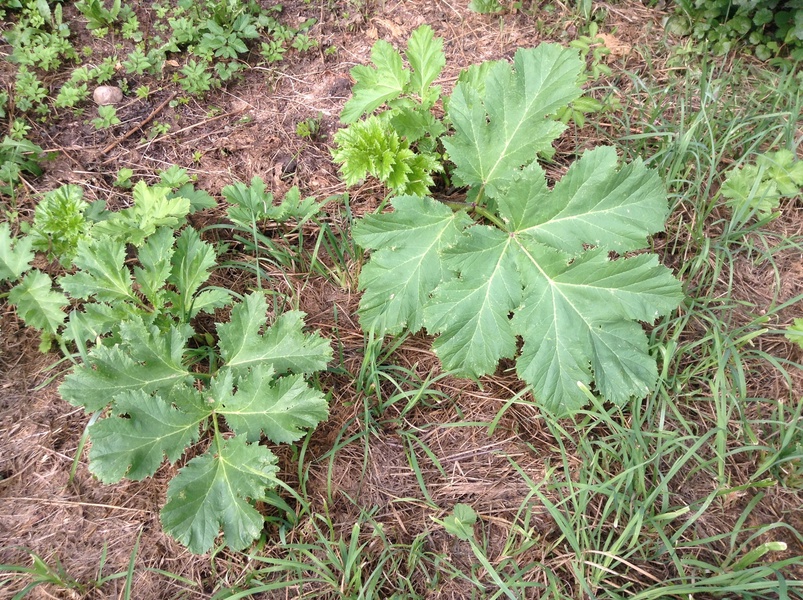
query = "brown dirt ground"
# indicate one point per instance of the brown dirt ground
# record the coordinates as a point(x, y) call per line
point(253, 134)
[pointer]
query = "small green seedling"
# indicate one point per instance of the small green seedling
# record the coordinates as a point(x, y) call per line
point(107, 117)
point(794, 333)
point(758, 188)
point(123, 180)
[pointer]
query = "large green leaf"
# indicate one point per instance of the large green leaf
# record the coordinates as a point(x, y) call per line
point(504, 124)
point(577, 316)
point(283, 345)
point(282, 409)
point(146, 360)
point(15, 254)
point(102, 273)
point(544, 276)
point(38, 304)
point(403, 273)
point(143, 430)
point(593, 204)
point(472, 312)
point(212, 491)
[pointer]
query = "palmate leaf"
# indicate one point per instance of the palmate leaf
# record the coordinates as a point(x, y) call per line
point(283, 409)
point(377, 85)
point(143, 430)
point(503, 125)
point(158, 409)
point(595, 203)
point(472, 312)
point(251, 204)
point(407, 266)
point(248, 203)
point(794, 333)
point(102, 275)
point(59, 223)
point(282, 346)
point(212, 491)
point(578, 318)
point(146, 359)
point(15, 254)
point(545, 278)
point(38, 304)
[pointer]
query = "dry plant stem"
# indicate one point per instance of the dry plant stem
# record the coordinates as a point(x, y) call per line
point(72, 503)
point(189, 127)
point(140, 125)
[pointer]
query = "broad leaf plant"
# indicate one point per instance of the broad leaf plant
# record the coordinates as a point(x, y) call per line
point(555, 278)
point(162, 388)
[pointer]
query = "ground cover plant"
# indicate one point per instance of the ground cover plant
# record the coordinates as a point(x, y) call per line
point(771, 28)
point(165, 304)
point(142, 365)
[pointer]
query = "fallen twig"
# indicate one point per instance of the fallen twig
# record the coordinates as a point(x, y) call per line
point(188, 127)
point(139, 126)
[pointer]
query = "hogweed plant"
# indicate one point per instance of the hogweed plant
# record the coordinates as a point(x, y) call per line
point(556, 278)
point(139, 279)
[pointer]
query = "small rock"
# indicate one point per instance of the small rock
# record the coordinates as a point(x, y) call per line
point(107, 94)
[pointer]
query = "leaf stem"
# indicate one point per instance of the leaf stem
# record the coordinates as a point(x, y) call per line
point(455, 205)
point(218, 437)
point(486, 214)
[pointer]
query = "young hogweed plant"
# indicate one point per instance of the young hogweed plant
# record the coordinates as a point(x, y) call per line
point(555, 278)
point(399, 146)
point(163, 385)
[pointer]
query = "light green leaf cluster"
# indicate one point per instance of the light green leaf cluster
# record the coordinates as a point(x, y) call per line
point(166, 286)
point(59, 223)
point(398, 147)
point(521, 262)
point(159, 408)
point(153, 208)
point(758, 188)
point(373, 147)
